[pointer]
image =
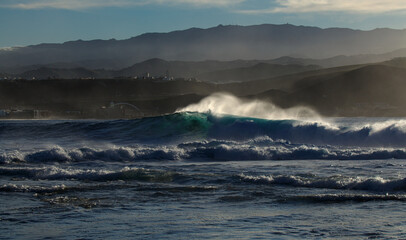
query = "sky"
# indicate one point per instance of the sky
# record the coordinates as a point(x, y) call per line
point(28, 22)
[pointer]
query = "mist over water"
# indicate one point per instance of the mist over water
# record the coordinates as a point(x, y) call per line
point(224, 103)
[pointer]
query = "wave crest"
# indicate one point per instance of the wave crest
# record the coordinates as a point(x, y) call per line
point(58, 173)
point(218, 150)
point(334, 182)
point(223, 103)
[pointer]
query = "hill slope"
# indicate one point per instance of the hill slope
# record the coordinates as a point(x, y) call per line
point(207, 71)
point(374, 90)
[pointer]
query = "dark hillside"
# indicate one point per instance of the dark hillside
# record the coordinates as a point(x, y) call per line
point(375, 90)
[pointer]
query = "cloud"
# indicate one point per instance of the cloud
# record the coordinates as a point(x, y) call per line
point(352, 6)
point(86, 4)
point(251, 6)
point(215, 3)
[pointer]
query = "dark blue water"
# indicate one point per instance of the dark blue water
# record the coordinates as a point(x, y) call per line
point(193, 175)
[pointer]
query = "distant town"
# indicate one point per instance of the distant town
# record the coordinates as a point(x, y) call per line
point(112, 111)
point(118, 98)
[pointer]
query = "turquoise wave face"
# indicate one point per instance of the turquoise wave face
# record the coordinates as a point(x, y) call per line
point(188, 126)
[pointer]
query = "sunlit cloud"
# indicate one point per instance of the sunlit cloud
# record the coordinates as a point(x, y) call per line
point(86, 4)
point(354, 6)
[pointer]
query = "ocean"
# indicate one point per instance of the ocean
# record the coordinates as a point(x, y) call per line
point(191, 175)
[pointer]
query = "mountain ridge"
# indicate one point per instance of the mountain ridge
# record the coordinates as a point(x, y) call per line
point(225, 43)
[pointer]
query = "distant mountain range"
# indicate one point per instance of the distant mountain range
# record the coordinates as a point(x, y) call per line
point(221, 43)
point(206, 71)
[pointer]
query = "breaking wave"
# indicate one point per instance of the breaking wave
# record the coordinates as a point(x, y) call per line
point(181, 127)
point(223, 103)
point(377, 184)
point(59, 173)
point(189, 136)
point(203, 151)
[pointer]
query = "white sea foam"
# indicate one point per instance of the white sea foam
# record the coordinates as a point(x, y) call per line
point(334, 182)
point(62, 173)
point(29, 188)
point(261, 148)
point(337, 198)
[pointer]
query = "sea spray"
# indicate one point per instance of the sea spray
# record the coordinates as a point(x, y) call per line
point(224, 103)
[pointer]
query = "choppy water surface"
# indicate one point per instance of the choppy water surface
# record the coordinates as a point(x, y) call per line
point(193, 175)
